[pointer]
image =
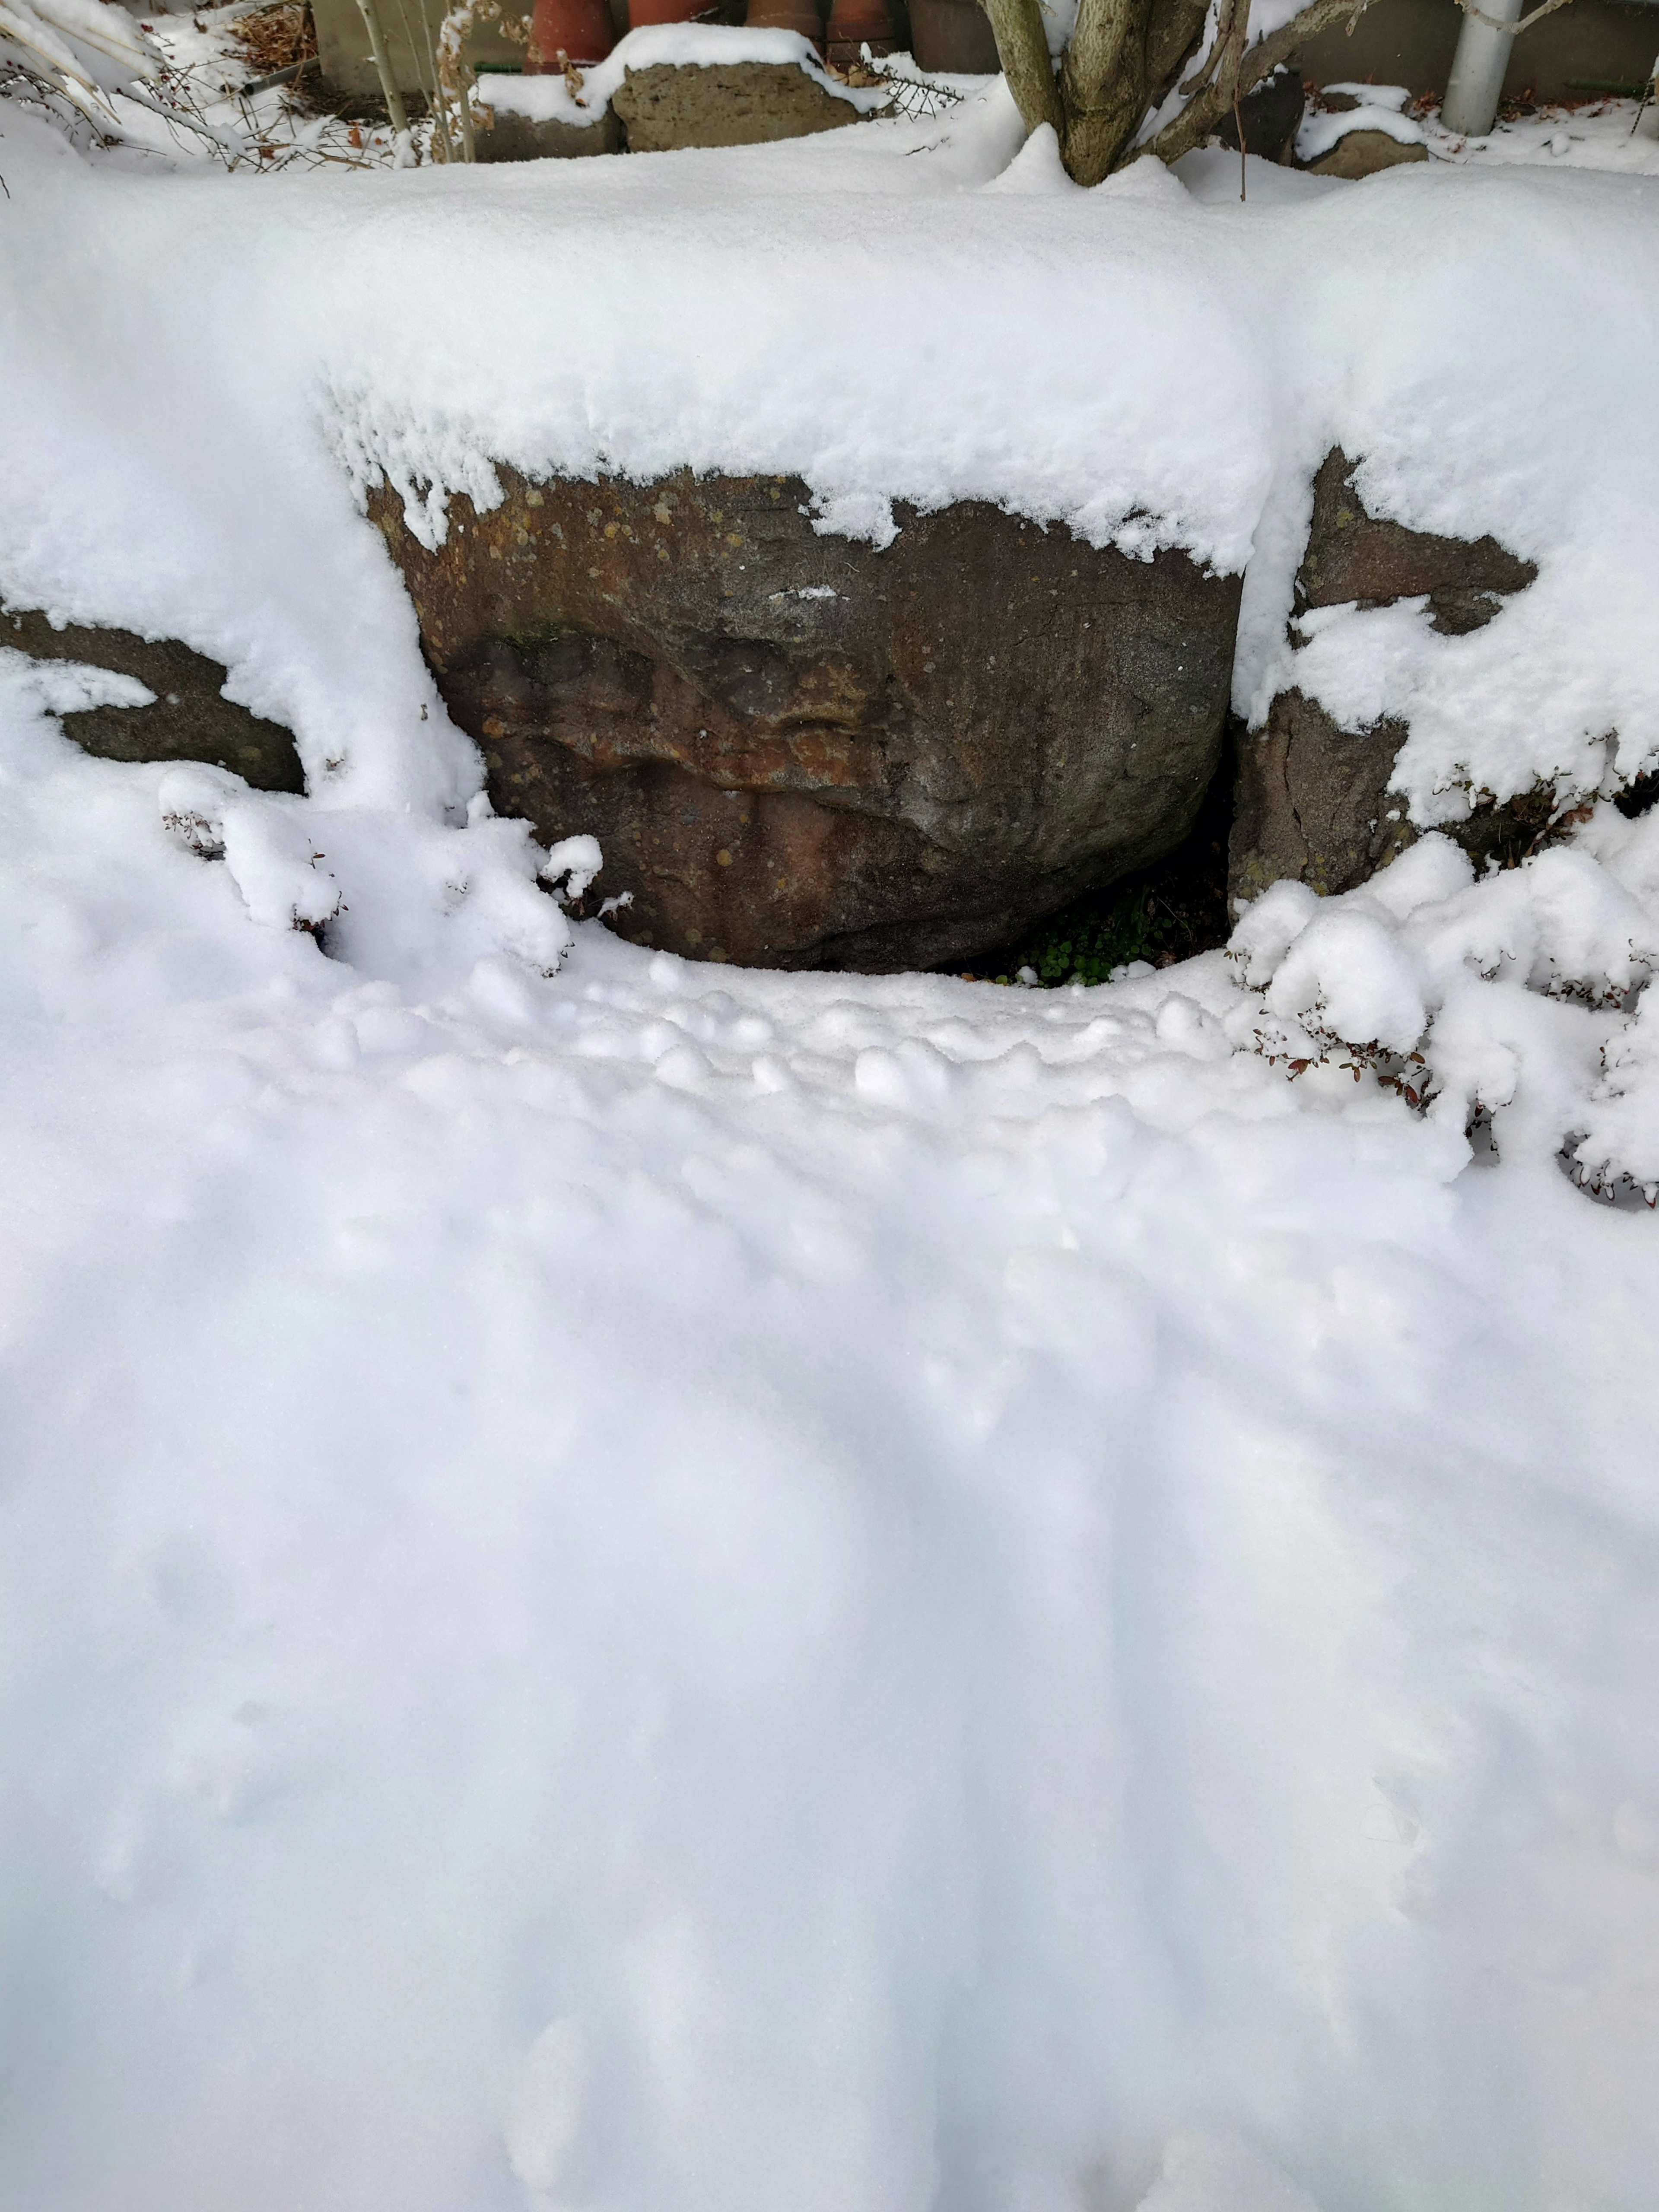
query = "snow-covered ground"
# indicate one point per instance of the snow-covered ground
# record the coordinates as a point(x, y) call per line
point(641, 1586)
point(1607, 133)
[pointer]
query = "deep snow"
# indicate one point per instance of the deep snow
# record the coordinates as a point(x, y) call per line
point(660, 1588)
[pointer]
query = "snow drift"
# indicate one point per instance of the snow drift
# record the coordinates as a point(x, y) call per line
point(646, 1587)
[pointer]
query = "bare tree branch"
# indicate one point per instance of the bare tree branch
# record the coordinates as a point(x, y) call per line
point(1197, 120)
point(1211, 61)
point(1172, 38)
point(1512, 30)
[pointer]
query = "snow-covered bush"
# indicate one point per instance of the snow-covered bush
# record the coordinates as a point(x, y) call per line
point(79, 50)
point(1517, 1002)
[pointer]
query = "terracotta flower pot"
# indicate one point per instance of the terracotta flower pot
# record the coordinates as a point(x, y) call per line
point(855, 23)
point(785, 15)
point(641, 12)
point(952, 37)
point(579, 29)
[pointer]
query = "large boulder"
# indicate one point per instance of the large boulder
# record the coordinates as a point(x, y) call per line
point(799, 750)
point(1313, 801)
point(189, 718)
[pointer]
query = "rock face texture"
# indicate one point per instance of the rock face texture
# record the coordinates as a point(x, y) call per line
point(191, 719)
point(798, 752)
point(953, 37)
point(1312, 800)
point(1351, 556)
point(516, 138)
point(1364, 153)
point(743, 103)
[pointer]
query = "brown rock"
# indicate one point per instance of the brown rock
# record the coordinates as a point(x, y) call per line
point(516, 138)
point(798, 751)
point(738, 103)
point(1351, 555)
point(1312, 801)
point(191, 719)
point(1363, 153)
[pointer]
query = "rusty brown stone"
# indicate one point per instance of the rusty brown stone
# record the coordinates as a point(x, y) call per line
point(1312, 801)
point(191, 719)
point(798, 751)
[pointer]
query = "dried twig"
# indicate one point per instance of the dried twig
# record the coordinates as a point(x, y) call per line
point(1212, 61)
point(389, 91)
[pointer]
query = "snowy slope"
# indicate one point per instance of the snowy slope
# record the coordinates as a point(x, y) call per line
point(664, 1588)
point(671, 1588)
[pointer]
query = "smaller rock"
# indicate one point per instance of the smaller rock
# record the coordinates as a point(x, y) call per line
point(1312, 801)
point(1353, 556)
point(664, 109)
point(191, 719)
point(517, 139)
point(1363, 153)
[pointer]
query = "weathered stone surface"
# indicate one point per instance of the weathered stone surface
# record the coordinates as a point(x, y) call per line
point(1351, 555)
point(739, 104)
point(798, 751)
point(516, 138)
point(1364, 153)
point(191, 719)
point(1312, 801)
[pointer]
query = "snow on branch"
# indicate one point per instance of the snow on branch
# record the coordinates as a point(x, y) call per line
point(81, 49)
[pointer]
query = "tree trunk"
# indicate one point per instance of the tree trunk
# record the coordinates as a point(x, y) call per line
point(1103, 85)
point(1124, 58)
point(1172, 35)
point(1022, 50)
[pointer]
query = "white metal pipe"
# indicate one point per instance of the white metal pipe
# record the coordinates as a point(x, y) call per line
point(1478, 70)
